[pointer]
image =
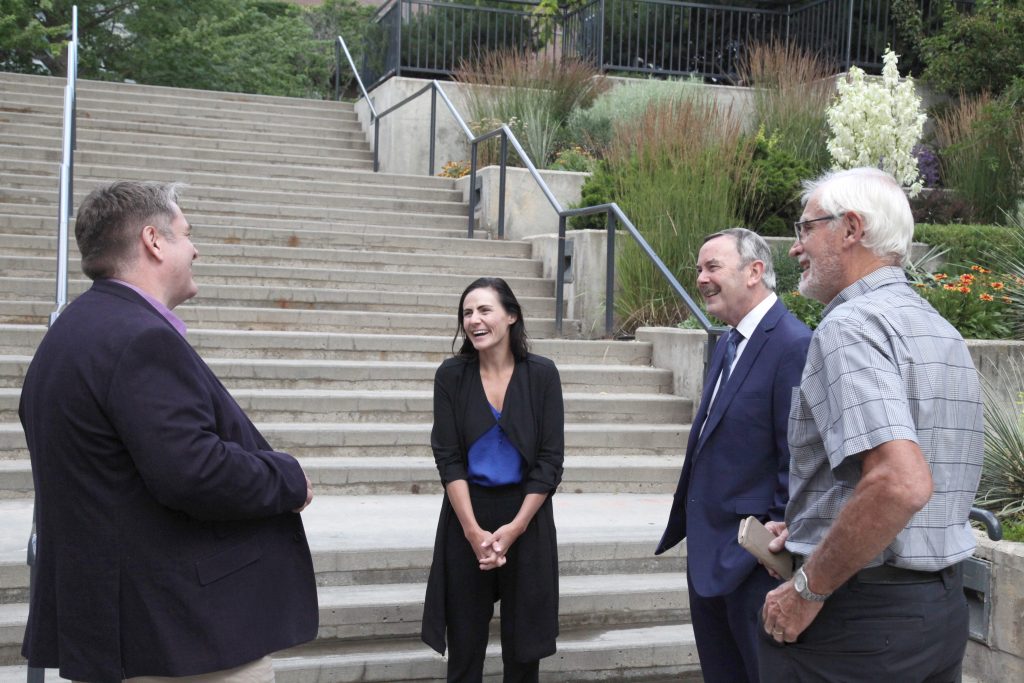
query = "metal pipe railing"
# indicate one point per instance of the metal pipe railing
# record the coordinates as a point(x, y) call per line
point(65, 190)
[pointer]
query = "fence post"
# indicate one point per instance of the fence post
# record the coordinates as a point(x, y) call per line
point(849, 37)
point(609, 287)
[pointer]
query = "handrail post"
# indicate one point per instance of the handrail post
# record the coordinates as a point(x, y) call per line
point(376, 145)
point(849, 37)
point(472, 187)
point(501, 185)
point(337, 70)
point(433, 125)
point(560, 276)
point(609, 288)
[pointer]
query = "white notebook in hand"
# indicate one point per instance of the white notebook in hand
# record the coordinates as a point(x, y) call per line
point(754, 538)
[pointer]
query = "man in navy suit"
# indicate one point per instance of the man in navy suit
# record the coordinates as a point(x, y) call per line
point(737, 457)
point(169, 542)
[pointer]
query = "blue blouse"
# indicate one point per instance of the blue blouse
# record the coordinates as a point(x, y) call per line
point(493, 460)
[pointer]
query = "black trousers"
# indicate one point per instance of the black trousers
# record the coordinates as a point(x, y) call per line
point(910, 633)
point(472, 593)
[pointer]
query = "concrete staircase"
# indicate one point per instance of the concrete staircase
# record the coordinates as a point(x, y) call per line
point(327, 297)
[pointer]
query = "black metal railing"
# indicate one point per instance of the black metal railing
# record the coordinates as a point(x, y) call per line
point(433, 38)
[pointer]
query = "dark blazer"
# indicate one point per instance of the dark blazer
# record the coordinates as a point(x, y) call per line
point(533, 417)
point(739, 464)
point(166, 543)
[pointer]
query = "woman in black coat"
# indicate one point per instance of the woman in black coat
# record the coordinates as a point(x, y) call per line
point(498, 440)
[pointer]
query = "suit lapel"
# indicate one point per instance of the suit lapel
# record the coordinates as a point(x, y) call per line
point(739, 374)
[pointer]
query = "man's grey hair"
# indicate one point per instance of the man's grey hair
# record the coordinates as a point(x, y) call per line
point(110, 218)
point(751, 247)
point(877, 198)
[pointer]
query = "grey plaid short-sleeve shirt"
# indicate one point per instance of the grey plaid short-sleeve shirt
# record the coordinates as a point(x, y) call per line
point(883, 365)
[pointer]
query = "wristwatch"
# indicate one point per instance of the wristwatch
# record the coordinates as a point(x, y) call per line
point(800, 584)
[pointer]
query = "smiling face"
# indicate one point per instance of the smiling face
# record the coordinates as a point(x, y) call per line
point(180, 253)
point(819, 257)
point(485, 321)
point(729, 290)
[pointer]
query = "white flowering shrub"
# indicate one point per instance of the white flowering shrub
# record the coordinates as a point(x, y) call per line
point(877, 124)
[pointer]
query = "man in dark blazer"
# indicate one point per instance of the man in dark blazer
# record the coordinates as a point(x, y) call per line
point(737, 457)
point(169, 542)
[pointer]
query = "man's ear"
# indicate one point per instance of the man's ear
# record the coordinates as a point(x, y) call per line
point(150, 237)
point(756, 271)
point(854, 228)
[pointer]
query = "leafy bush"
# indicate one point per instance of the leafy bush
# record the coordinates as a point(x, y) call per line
point(574, 158)
point(775, 177)
point(975, 303)
point(598, 189)
point(939, 207)
point(969, 244)
point(976, 52)
point(804, 308)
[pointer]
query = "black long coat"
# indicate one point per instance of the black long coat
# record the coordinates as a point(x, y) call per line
point(166, 542)
point(533, 417)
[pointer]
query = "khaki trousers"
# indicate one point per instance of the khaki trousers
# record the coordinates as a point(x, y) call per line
point(258, 671)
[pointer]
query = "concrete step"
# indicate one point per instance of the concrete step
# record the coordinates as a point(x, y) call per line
point(398, 406)
point(647, 654)
point(200, 116)
point(131, 92)
point(246, 214)
point(383, 240)
point(48, 136)
point(359, 539)
point(302, 257)
point(43, 175)
point(348, 440)
point(22, 340)
point(201, 159)
point(321, 299)
point(284, 318)
point(417, 474)
point(358, 375)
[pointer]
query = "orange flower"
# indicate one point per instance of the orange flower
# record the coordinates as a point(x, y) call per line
point(939, 276)
point(985, 297)
point(949, 288)
point(964, 289)
point(979, 269)
point(919, 285)
point(996, 285)
point(967, 278)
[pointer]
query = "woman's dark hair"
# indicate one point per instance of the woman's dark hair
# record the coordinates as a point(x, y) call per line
point(516, 334)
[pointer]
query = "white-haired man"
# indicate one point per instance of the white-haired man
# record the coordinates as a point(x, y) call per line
point(886, 441)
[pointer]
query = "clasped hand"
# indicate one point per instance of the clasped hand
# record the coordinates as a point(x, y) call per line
point(491, 548)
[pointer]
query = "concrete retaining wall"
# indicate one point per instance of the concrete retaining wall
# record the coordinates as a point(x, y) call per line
point(1003, 659)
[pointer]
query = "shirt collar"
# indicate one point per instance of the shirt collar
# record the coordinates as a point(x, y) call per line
point(752, 319)
point(883, 277)
point(176, 322)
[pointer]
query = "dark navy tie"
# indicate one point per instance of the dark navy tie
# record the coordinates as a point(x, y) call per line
point(731, 342)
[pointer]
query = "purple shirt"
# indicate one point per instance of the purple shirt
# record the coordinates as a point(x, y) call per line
point(174, 320)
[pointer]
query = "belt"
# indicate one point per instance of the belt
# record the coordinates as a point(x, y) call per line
point(889, 574)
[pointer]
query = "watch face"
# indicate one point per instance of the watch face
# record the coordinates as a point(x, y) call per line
point(800, 581)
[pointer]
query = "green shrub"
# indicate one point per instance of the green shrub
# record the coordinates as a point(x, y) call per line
point(969, 244)
point(598, 189)
point(805, 309)
point(976, 52)
point(775, 177)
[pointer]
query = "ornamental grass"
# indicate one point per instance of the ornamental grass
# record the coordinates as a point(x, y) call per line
point(679, 171)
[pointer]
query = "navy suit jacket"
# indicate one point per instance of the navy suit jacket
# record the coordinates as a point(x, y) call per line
point(739, 464)
point(166, 542)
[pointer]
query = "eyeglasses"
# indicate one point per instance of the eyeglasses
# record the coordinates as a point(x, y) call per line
point(803, 227)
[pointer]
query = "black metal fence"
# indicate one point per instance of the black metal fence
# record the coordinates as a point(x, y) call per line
point(658, 37)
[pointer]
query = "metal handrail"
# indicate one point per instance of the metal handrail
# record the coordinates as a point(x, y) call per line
point(339, 45)
point(614, 213)
point(67, 170)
